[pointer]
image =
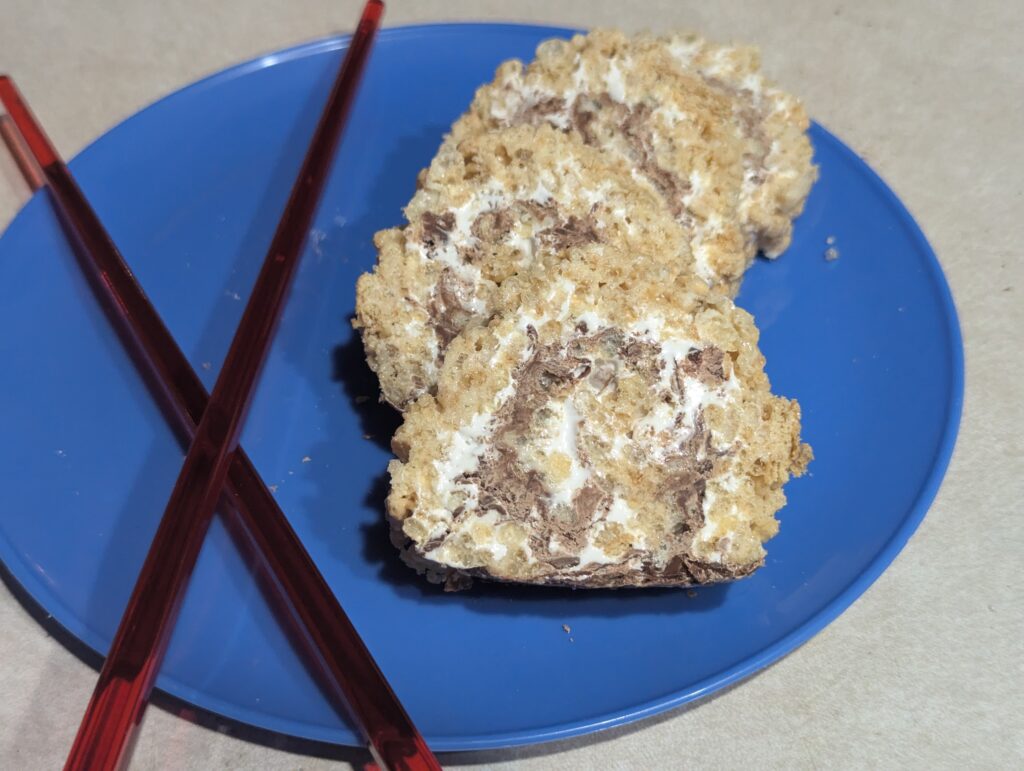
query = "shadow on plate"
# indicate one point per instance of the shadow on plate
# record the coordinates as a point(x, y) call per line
point(378, 420)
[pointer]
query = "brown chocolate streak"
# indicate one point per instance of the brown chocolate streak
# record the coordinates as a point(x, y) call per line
point(436, 227)
point(447, 306)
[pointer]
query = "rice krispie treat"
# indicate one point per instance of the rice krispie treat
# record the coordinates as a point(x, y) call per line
point(725, 148)
point(596, 434)
point(489, 206)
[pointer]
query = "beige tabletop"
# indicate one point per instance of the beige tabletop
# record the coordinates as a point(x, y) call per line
point(926, 670)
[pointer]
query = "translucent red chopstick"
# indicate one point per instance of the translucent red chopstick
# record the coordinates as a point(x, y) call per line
point(19, 151)
point(344, 657)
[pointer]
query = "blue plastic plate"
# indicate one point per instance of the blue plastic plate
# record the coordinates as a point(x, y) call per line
point(191, 189)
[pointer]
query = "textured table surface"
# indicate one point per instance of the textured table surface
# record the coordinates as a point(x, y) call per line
point(926, 670)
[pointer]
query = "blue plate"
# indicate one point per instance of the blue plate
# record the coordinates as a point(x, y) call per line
point(191, 189)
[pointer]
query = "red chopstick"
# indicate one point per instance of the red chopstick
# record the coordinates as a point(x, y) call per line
point(342, 653)
point(19, 151)
point(133, 661)
point(337, 649)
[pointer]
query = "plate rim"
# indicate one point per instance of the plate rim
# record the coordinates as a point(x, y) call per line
point(31, 587)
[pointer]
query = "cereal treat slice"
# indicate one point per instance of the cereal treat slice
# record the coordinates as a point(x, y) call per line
point(601, 434)
point(726, 148)
point(489, 207)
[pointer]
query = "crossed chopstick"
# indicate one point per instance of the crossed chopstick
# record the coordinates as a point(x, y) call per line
point(212, 424)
